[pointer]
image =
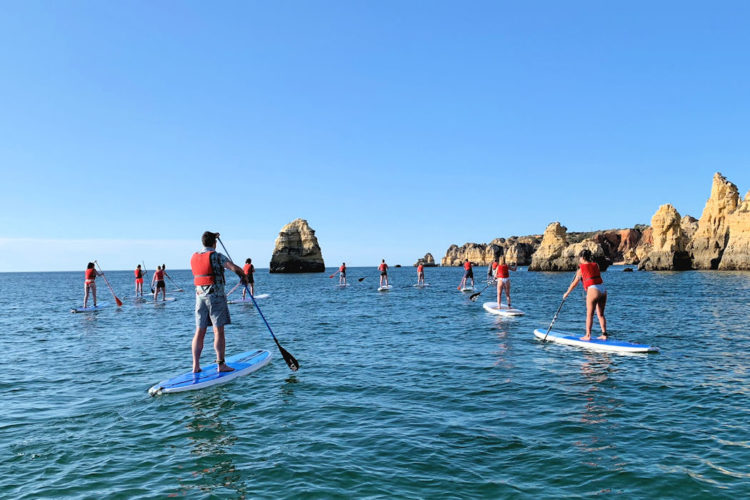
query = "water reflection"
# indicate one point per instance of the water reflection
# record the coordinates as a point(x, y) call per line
point(503, 350)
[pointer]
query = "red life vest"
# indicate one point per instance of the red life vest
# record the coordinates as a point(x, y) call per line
point(247, 269)
point(382, 267)
point(494, 265)
point(159, 275)
point(467, 265)
point(590, 274)
point(502, 271)
point(138, 274)
point(203, 272)
point(420, 268)
point(342, 269)
point(90, 275)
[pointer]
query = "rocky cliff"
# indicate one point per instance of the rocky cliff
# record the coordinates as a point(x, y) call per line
point(712, 235)
point(427, 261)
point(736, 255)
point(516, 249)
point(297, 250)
point(556, 254)
point(666, 248)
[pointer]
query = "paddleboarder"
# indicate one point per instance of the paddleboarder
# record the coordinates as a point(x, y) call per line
point(139, 274)
point(420, 273)
point(383, 268)
point(210, 301)
point(502, 275)
point(89, 283)
point(491, 269)
point(158, 278)
point(342, 274)
point(249, 269)
point(596, 293)
point(468, 274)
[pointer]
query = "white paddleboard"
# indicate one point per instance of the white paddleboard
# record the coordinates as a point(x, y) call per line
point(467, 289)
point(243, 364)
point(422, 285)
point(248, 300)
point(100, 305)
point(594, 344)
point(503, 310)
point(342, 285)
point(385, 288)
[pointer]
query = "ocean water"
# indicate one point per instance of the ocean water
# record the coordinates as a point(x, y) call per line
point(409, 393)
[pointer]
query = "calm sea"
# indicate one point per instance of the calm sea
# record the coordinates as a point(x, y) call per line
point(410, 393)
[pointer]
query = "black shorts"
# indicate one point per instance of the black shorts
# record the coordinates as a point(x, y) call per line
point(250, 279)
point(160, 284)
point(469, 274)
point(343, 274)
point(383, 273)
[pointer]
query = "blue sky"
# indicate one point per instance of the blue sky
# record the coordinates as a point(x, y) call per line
point(396, 128)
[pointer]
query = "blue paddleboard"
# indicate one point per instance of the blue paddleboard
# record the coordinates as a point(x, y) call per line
point(100, 305)
point(594, 344)
point(243, 364)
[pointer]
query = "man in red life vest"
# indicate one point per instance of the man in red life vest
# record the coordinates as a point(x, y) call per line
point(420, 273)
point(468, 275)
point(210, 300)
point(249, 269)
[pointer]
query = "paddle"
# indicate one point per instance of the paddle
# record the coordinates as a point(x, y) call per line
point(473, 296)
point(175, 284)
point(290, 361)
point(334, 274)
point(360, 279)
point(119, 302)
point(554, 318)
point(144, 275)
point(233, 289)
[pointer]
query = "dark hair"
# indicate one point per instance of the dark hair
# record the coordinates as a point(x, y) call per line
point(248, 261)
point(586, 255)
point(138, 266)
point(208, 239)
point(163, 266)
point(90, 265)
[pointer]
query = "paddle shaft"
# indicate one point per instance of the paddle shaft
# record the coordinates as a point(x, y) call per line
point(118, 301)
point(474, 296)
point(145, 273)
point(554, 318)
point(290, 360)
point(175, 284)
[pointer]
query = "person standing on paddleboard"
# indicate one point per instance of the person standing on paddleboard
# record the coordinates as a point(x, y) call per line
point(491, 269)
point(139, 281)
point(383, 268)
point(210, 301)
point(502, 275)
point(596, 293)
point(158, 278)
point(468, 274)
point(420, 273)
point(342, 274)
point(249, 269)
point(89, 284)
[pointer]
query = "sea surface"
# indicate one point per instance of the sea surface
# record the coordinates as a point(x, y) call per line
point(414, 393)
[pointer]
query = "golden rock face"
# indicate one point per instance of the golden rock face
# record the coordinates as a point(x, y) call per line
point(297, 250)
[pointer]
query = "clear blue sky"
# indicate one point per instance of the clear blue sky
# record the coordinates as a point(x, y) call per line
point(396, 128)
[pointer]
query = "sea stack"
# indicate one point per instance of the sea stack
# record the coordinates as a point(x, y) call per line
point(297, 250)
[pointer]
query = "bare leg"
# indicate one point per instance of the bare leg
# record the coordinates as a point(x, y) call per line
point(220, 346)
point(93, 293)
point(601, 304)
point(499, 293)
point(200, 334)
point(85, 295)
point(252, 289)
point(507, 291)
point(590, 305)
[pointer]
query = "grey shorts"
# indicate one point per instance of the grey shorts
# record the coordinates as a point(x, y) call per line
point(211, 309)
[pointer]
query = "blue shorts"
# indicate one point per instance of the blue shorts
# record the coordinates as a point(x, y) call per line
point(211, 309)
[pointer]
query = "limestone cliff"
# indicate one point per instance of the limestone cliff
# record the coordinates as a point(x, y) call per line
point(297, 250)
point(736, 254)
point(517, 250)
point(711, 236)
point(427, 261)
point(556, 254)
point(668, 242)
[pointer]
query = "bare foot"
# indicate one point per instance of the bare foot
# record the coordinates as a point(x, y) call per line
point(225, 368)
point(198, 370)
point(587, 337)
point(602, 336)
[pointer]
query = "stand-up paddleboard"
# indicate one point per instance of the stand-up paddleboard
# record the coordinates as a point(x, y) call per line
point(384, 288)
point(248, 300)
point(422, 285)
point(243, 364)
point(503, 310)
point(594, 344)
point(100, 305)
point(342, 285)
point(467, 289)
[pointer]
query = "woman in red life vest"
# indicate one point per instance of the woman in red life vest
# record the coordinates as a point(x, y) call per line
point(89, 284)
point(420, 273)
point(502, 275)
point(249, 269)
point(158, 278)
point(383, 268)
point(342, 274)
point(468, 274)
point(139, 281)
point(596, 293)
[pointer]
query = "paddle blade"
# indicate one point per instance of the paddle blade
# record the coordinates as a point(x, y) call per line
point(119, 302)
point(473, 296)
point(331, 276)
point(360, 279)
point(290, 360)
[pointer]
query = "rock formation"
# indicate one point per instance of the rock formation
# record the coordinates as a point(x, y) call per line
point(556, 254)
point(297, 250)
point(736, 254)
point(427, 261)
point(516, 249)
point(668, 242)
point(711, 236)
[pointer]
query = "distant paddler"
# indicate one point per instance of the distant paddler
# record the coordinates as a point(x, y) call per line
point(210, 301)
point(502, 275)
point(249, 269)
point(596, 293)
point(89, 284)
point(139, 274)
point(491, 269)
point(158, 278)
point(468, 275)
point(383, 268)
point(420, 273)
point(178, 287)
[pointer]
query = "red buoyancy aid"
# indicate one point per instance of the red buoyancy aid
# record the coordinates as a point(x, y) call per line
point(494, 265)
point(159, 275)
point(138, 273)
point(590, 274)
point(502, 271)
point(90, 275)
point(342, 269)
point(247, 269)
point(467, 265)
point(420, 268)
point(203, 272)
point(382, 267)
